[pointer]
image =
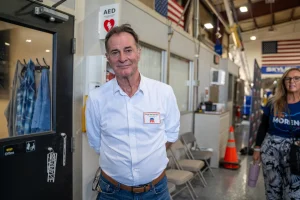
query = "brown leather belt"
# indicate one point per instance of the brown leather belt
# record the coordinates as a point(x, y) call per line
point(134, 189)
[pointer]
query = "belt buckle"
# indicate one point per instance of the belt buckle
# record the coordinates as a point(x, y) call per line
point(139, 187)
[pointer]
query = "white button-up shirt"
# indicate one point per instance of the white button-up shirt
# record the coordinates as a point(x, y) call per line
point(130, 133)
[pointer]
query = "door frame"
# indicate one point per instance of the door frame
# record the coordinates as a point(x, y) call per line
point(20, 12)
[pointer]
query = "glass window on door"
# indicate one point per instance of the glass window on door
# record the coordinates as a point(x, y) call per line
point(25, 80)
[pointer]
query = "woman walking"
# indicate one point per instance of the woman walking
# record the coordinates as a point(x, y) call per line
point(280, 123)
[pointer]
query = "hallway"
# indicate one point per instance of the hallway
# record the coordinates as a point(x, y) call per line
point(229, 184)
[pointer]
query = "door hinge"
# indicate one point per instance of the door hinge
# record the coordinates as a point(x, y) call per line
point(72, 144)
point(73, 45)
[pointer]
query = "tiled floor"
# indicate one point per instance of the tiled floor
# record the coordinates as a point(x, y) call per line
point(229, 184)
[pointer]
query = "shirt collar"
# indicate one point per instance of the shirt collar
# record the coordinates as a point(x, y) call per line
point(117, 88)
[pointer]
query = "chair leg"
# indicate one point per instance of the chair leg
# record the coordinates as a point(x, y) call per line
point(171, 197)
point(209, 168)
point(188, 187)
point(202, 179)
point(189, 183)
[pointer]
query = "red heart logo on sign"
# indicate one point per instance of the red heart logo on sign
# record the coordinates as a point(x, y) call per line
point(109, 24)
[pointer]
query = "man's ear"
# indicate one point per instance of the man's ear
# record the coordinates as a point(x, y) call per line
point(107, 58)
point(139, 52)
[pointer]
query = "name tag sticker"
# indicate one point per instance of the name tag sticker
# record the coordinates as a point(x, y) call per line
point(151, 118)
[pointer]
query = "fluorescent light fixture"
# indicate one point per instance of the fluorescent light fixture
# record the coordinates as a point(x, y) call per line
point(208, 26)
point(243, 9)
point(28, 40)
point(7, 44)
point(47, 50)
point(253, 37)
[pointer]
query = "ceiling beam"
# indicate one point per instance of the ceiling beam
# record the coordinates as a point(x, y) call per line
point(261, 8)
point(292, 14)
point(251, 12)
point(246, 30)
point(220, 17)
point(273, 14)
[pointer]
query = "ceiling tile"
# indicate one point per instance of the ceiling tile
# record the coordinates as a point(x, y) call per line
point(283, 16)
point(254, 1)
point(265, 20)
point(238, 3)
point(296, 13)
point(247, 25)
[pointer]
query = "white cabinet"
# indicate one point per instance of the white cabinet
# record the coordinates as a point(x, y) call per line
point(211, 131)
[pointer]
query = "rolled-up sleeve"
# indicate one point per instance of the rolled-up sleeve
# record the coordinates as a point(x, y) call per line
point(172, 120)
point(93, 124)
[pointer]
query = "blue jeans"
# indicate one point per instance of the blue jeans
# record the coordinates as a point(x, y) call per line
point(111, 192)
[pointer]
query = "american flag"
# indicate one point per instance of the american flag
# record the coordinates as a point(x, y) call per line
point(170, 9)
point(281, 53)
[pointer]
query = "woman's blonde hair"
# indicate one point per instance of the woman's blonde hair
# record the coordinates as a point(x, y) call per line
point(279, 100)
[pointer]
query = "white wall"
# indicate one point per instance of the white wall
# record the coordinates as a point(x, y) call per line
point(205, 64)
point(77, 101)
point(69, 4)
point(289, 30)
point(233, 68)
point(186, 122)
point(223, 89)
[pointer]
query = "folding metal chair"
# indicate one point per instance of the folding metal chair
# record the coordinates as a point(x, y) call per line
point(189, 164)
point(171, 188)
point(180, 178)
point(197, 154)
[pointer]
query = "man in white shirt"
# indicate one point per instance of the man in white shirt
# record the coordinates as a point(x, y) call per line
point(130, 121)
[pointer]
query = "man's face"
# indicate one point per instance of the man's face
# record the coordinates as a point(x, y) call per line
point(123, 55)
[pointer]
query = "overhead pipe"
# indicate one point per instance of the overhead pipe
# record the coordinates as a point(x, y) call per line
point(196, 18)
point(228, 13)
point(242, 55)
point(197, 49)
point(190, 19)
point(197, 53)
point(231, 21)
point(212, 7)
point(242, 50)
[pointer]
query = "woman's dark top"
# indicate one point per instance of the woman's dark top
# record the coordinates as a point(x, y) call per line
point(279, 126)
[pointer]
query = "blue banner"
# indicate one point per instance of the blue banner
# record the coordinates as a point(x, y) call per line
point(276, 69)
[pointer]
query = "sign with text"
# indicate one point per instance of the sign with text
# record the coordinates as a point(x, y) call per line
point(276, 69)
point(108, 18)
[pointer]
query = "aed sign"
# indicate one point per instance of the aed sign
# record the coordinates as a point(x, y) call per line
point(108, 18)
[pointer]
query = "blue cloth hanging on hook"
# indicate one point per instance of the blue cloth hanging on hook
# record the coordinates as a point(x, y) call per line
point(41, 120)
point(11, 109)
point(25, 101)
